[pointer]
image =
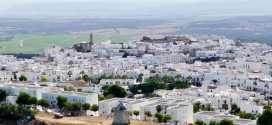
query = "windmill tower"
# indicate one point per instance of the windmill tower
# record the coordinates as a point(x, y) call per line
point(120, 115)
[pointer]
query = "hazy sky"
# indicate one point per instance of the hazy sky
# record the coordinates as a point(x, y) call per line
point(149, 7)
point(9, 3)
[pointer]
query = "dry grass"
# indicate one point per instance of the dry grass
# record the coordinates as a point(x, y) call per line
point(84, 120)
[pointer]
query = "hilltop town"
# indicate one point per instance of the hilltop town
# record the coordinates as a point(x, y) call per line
point(178, 80)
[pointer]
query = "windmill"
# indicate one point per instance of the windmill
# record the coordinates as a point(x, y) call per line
point(120, 115)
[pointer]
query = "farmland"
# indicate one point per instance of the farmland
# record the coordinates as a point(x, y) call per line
point(35, 44)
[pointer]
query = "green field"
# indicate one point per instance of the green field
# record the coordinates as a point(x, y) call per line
point(35, 44)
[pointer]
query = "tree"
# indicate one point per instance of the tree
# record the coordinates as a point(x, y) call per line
point(94, 108)
point(126, 54)
point(178, 76)
point(196, 107)
point(157, 78)
point(178, 85)
point(176, 122)
point(165, 78)
point(148, 114)
point(23, 99)
point(81, 81)
point(166, 118)
point(70, 88)
point(214, 81)
point(82, 73)
point(212, 122)
point(136, 113)
point(234, 109)
point(257, 101)
point(23, 78)
point(62, 50)
point(32, 101)
point(3, 95)
point(189, 78)
point(265, 118)
point(148, 87)
point(43, 103)
point(199, 122)
point(61, 102)
point(158, 108)
point(73, 107)
point(140, 76)
point(14, 75)
point(86, 106)
point(209, 107)
point(69, 73)
point(113, 109)
point(171, 79)
point(225, 105)
point(246, 115)
point(94, 81)
point(124, 77)
point(86, 78)
point(13, 112)
point(159, 116)
point(115, 90)
point(226, 122)
point(44, 79)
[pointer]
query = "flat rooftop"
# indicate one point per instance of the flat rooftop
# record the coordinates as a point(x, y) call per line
point(136, 102)
point(178, 106)
point(242, 121)
point(70, 93)
point(209, 113)
point(153, 104)
point(224, 117)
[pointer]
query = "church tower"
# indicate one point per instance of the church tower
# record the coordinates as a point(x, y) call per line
point(91, 39)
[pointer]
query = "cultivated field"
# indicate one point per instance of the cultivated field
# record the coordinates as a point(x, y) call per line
point(35, 44)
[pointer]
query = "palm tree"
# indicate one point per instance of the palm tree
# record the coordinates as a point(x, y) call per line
point(165, 78)
point(189, 78)
point(178, 76)
point(171, 79)
point(82, 73)
point(176, 122)
point(225, 105)
point(157, 77)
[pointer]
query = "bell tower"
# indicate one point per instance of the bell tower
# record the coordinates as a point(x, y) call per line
point(91, 39)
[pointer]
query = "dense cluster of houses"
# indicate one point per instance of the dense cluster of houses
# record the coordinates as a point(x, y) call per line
point(223, 71)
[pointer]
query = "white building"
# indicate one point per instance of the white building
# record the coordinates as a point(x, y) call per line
point(121, 82)
point(208, 116)
point(51, 97)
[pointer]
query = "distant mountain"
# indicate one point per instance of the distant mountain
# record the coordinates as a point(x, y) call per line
point(128, 10)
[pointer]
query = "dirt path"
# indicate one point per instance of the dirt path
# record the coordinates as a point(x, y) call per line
point(85, 120)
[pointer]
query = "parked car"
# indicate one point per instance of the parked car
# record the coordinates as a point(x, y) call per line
point(48, 111)
point(58, 115)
